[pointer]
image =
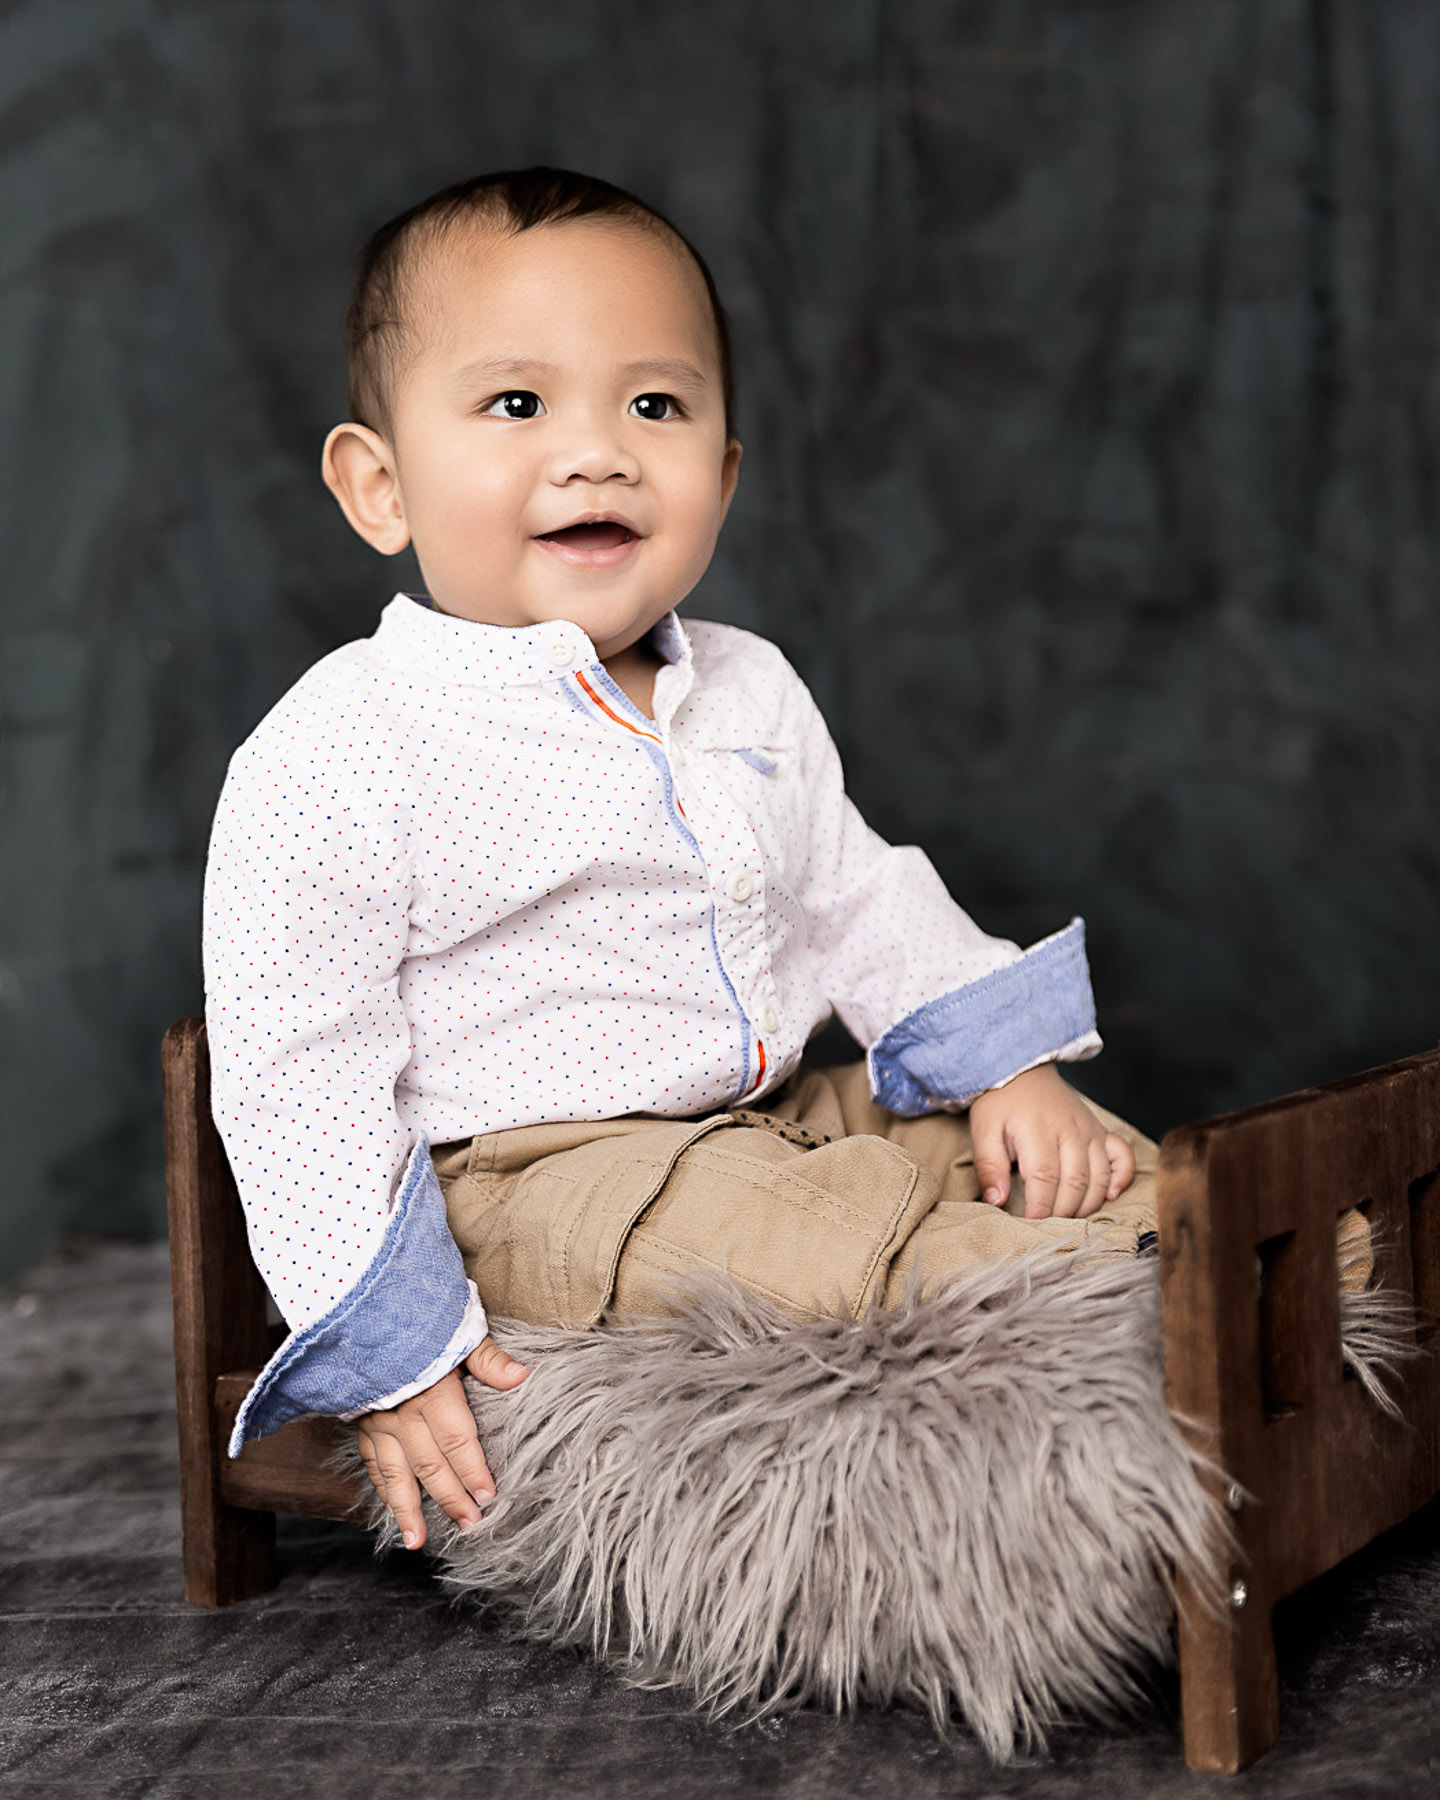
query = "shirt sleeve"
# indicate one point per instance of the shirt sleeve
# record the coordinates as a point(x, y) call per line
point(945, 1010)
point(306, 917)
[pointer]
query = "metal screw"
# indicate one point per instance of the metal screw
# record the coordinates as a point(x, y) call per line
point(1234, 1496)
point(1239, 1594)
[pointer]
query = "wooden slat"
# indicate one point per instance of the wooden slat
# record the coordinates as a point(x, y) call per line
point(287, 1471)
point(1248, 1210)
point(219, 1304)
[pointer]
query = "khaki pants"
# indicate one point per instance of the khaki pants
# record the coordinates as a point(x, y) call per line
point(817, 1198)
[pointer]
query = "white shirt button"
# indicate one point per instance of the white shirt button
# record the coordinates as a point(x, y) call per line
point(769, 1020)
point(742, 885)
point(561, 652)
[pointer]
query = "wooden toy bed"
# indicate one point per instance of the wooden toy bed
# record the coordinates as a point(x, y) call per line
point(1248, 1204)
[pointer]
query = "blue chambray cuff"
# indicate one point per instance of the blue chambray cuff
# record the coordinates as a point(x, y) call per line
point(981, 1034)
point(393, 1325)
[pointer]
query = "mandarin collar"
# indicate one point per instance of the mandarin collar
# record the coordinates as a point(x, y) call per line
point(412, 634)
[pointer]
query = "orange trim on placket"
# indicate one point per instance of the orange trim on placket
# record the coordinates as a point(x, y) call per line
point(610, 711)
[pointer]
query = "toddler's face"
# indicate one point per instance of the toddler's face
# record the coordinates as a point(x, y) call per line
point(558, 445)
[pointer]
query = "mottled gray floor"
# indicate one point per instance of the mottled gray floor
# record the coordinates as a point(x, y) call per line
point(356, 1678)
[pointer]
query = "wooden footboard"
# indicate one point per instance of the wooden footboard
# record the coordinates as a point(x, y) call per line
point(1313, 1469)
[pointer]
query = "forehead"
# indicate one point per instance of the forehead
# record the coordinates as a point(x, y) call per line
point(560, 294)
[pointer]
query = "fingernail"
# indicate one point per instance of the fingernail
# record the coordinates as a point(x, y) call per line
point(485, 1495)
point(412, 1538)
point(993, 1196)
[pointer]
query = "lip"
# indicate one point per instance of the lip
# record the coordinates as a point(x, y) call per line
point(586, 556)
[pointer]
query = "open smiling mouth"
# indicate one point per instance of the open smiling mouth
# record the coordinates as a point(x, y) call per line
point(592, 543)
point(597, 536)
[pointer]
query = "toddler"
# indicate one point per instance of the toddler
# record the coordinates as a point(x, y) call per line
point(519, 913)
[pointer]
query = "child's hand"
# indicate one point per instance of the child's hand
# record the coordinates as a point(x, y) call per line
point(432, 1435)
point(1070, 1163)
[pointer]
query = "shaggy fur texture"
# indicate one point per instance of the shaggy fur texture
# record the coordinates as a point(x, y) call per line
point(974, 1503)
point(1377, 1332)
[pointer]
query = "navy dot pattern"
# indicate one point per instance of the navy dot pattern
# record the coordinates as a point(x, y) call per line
point(457, 883)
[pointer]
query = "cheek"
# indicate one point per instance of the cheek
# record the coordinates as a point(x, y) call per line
point(695, 506)
point(474, 498)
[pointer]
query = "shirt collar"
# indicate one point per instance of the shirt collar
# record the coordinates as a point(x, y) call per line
point(673, 682)
point(415, 636)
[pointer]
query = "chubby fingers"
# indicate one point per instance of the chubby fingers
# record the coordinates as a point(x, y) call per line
point(1084, 1172)
point(428, 1441)
point(393, 1480)
point(487, 1362)
point(454, 1471)
point(1091, 1170)
point(991, 1149)
point(1040, 1165)
point(1121, 1157)
point(1098, 1178)
point(1065, 1175)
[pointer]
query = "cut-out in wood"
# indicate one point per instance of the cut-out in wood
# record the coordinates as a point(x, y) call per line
point(1425, 1249)
point(1317, 1469)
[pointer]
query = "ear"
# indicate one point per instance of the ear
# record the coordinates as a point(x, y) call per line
point(359, 469)
point(729, 474)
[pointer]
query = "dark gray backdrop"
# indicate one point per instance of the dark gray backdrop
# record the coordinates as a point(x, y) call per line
point(1089, 387)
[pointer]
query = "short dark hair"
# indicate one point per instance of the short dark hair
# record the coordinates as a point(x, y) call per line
point(515, 200)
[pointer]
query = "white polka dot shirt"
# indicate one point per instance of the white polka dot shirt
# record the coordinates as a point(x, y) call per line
point(458, 882)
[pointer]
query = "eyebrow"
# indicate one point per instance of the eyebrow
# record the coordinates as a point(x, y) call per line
point(673, 370)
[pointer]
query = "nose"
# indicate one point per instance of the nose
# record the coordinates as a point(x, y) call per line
point(593, 451)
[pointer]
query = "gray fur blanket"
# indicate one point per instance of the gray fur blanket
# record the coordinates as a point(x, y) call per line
point(974, 1503)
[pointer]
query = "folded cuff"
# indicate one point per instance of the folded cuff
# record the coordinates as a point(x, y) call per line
point(411, 1310)
point(1037, 1009)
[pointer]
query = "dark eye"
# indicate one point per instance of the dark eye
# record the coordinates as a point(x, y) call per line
point(654, 406)
point(519, 403)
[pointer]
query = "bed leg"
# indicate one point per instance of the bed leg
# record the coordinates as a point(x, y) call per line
point(228, 1552)
point(1229, 1700)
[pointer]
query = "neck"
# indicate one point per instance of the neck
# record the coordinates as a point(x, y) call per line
point(633, 672)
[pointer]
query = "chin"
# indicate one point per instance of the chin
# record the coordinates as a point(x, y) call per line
point(610, 629)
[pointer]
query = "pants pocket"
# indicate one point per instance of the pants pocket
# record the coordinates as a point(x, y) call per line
point(813, 1230)
point(542, 1235)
